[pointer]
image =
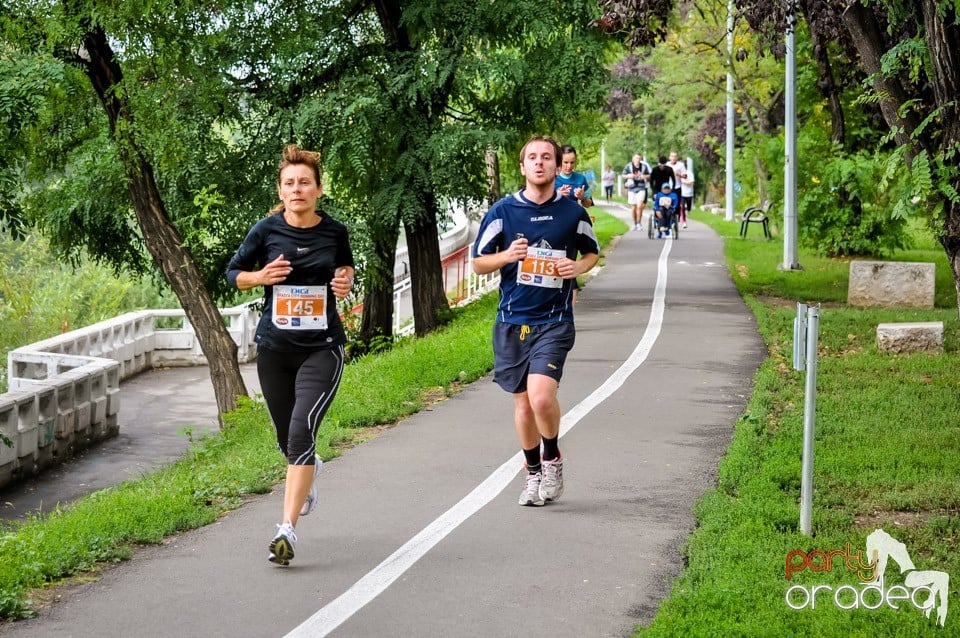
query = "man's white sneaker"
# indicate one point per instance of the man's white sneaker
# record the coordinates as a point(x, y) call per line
point(311, 503)
point(281, 547)
point(531, 490)
point(551, 487)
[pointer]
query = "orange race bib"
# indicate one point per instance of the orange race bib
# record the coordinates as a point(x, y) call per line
point(300, 307)
point(539, 268)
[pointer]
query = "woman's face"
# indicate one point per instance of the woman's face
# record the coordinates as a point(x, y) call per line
point(298, 188)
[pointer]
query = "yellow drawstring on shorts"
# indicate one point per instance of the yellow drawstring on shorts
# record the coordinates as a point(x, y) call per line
point(524, 331)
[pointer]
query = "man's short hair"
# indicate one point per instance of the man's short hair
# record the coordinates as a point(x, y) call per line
point(542, 138)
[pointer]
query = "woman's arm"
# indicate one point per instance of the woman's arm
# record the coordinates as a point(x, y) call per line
point(273, 273)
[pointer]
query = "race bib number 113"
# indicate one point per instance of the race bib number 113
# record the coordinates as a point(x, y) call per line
point(539, 268)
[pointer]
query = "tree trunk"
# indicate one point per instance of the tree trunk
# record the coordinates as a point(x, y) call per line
point(430, 304)
point(826, 83)
point(943, 41)
point(866, 36)
point(950, 240)
point(377, 320)
point(160, 236)
point(493, 176)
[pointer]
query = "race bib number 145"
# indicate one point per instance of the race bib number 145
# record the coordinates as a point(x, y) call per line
point(300, 307)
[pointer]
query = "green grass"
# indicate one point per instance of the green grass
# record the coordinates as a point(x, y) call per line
point(219, 472)
point(886, 456)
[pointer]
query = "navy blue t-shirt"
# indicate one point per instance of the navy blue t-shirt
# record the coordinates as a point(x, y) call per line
point(558, 224)
point(314, 254)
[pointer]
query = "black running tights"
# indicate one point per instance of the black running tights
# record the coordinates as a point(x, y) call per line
point(298, 388)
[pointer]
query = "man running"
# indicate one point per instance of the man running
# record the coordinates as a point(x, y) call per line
point(636, 179)
point(540, 241)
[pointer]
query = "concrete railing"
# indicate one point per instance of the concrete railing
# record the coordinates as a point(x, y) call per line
point(64, 392)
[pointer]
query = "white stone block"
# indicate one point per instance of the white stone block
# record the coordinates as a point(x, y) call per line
point(920, 336)
point(8, 428)
point(891, 284)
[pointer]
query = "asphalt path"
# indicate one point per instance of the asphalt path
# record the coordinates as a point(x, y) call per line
point(418, 531)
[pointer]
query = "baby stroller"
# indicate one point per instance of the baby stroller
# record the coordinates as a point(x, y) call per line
point(666, 225)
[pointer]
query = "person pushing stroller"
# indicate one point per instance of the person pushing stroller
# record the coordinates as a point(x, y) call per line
point(666, 203)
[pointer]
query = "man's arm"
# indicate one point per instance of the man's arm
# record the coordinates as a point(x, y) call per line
point(586, 262)
point(486, 264)
point(568, 268)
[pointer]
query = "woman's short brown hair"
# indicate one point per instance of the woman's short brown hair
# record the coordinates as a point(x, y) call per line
point(293, 154)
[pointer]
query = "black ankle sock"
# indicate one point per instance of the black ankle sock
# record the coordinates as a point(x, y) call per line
point(532, 456)
point(551, 449)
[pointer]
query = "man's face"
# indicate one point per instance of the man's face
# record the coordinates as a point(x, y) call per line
point(568, 163)
point(636, 159)
point(673, 157)
point(539, 165)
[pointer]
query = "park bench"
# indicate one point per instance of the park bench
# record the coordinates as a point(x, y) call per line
point(756, 215)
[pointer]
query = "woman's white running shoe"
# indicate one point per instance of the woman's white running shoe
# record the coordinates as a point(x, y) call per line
point(281, 547)
point(311, 503)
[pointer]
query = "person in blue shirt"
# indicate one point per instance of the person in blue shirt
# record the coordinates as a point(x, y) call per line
point(569, 182)
point(574, 185)
point(540, 241)
point(665, 205)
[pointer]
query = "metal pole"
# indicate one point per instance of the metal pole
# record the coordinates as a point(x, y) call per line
point(800, 338)
point(603, 157)
point(730, 119)
point(790, 260)
point(603, 161)
point(644, 144)
point(809, 420)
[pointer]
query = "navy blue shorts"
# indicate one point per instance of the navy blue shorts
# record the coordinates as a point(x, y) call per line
point(522, 350)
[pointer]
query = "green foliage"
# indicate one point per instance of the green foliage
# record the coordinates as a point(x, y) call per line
point(909, 56)
point(403, 113)
point(24, 80)
point(852, 206)
point(41, 298)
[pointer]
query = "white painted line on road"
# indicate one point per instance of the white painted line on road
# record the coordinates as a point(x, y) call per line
point(332, 615)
